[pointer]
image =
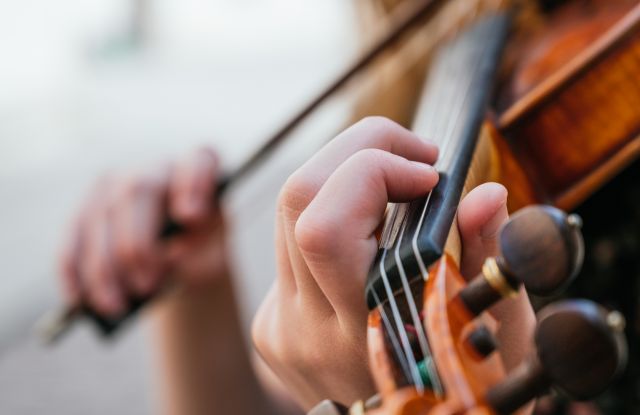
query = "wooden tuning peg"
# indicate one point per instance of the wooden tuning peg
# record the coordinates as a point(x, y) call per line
point(540, 247)
point(580, 348)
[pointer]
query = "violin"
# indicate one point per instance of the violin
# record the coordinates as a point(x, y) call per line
point(537, 119)
point(564, 120)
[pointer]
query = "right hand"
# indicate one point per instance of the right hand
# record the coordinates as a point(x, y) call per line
point(311, 327)
point(114, 252)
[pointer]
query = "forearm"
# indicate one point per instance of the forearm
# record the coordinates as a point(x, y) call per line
point(204, 361)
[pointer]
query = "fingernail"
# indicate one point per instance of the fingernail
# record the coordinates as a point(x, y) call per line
point(436, 150)
point(426, 167)
point(429, 141)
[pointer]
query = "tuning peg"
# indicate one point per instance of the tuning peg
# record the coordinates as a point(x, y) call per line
point(481, 341)
point(580, 349)
point(582, 346)
point(540, 247)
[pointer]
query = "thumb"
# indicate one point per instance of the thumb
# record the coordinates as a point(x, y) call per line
point(480, 215)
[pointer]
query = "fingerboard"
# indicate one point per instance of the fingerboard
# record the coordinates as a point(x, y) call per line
point(451, 111)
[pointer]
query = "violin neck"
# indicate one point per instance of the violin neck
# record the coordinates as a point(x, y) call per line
point(451, 112)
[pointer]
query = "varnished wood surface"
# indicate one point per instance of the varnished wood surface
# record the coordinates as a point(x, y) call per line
point(580, 126)
point(464, 374)
point(466, 377)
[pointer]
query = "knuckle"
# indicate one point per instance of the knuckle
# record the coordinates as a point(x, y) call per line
point(97, 302)
point(369, 157)
point(314, 235)
point(131, 251)
point(94, 282)
point(296, 194)
point(378, 126)
point(376, 122)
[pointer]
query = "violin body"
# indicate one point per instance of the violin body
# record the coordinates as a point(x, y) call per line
point(571, 108)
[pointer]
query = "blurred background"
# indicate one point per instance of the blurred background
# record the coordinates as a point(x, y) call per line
point(92, 86)
point(89, 86)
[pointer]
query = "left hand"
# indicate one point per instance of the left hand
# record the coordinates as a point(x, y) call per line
point(311, 328)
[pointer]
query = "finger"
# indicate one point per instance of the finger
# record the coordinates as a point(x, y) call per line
point(372, 132)
point(336, 233)
point(375, 133)
point(294, 265)
point(192, 187)
point(138, 218)
point(98, 268)
point(199, 254)
point(480, 215)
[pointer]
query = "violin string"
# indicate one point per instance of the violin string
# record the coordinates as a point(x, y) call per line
point(388, 236)
point(393, 337)
point(462, 95)
point(439, 127)
point(453, 124)
point(449, 127)
point(444, 128)
point(429, 363)
point(417, 323)
point(458, 90)
point(404, 339)
point(444, 156)
point(432, 125)
point(408, 353)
